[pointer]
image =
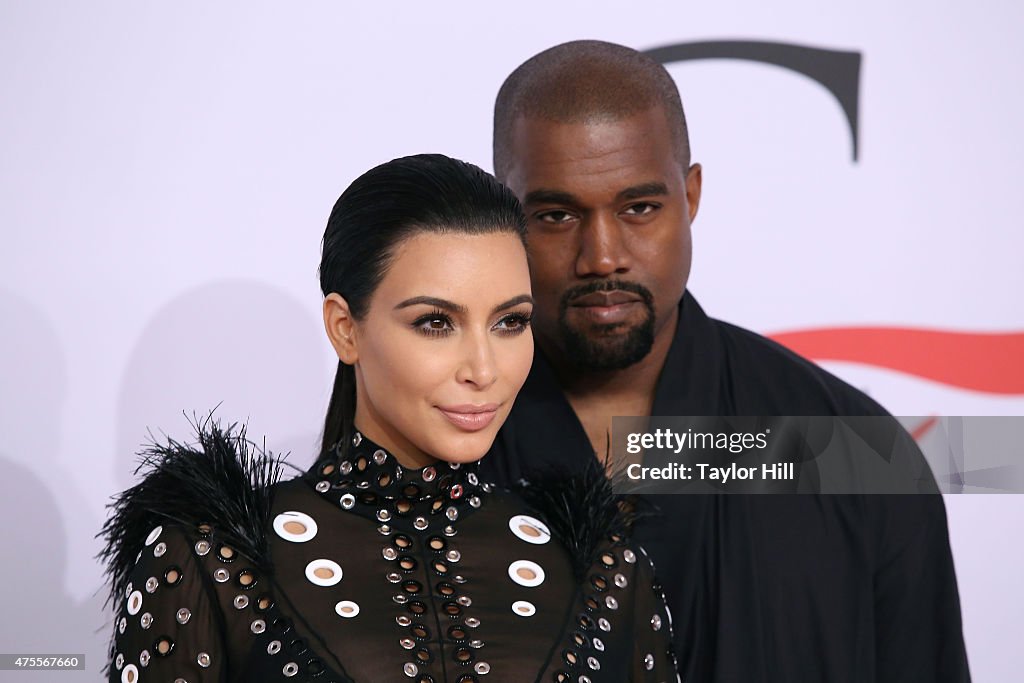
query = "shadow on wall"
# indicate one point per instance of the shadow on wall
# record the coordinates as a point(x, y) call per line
point(40, 616)
point(245, 346)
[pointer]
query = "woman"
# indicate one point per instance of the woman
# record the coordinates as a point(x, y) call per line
point(389, 559)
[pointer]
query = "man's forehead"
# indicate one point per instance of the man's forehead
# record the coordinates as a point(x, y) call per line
point(606, 150)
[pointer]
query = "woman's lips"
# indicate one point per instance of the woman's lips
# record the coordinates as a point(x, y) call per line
point(471, 418)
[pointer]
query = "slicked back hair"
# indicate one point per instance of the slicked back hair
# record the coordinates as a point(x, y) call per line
point(586, 81)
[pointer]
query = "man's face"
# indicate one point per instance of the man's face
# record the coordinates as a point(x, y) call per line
point(609, 210)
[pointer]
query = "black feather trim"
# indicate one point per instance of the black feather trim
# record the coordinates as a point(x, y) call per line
point(581, 508)
point(224, 480)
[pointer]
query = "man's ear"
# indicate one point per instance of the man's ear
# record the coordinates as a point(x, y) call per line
point(341, 328)
point(694, 178)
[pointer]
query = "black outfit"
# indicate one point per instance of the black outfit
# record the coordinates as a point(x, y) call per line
point(787, 588)
point(362, 571)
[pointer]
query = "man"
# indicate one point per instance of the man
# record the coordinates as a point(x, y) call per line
point(592, 138)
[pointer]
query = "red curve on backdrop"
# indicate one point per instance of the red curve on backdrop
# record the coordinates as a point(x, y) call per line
point(991, 363)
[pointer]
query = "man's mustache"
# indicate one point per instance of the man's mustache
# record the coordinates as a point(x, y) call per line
point(586, 288)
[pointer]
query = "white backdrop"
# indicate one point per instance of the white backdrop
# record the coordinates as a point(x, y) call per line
point(166, 172)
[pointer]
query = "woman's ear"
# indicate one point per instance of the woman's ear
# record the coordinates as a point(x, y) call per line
point(341, 328)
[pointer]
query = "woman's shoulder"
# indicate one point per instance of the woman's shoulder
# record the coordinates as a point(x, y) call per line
point(221, 483)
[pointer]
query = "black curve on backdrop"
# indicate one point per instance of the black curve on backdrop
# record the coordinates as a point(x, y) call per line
point(836, 70)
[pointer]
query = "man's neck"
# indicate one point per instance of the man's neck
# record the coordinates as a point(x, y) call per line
point(597, 396)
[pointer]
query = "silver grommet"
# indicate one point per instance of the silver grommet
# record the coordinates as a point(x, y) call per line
point(403, 620)
point(290, 669)
point(379, 456)
point(202, 547)
point(429, 473)
point(401, 598)
point(453, 555)
point(476, 643)
point(649, 662)
point(410, 669)
point(621, 581)
point(389, 553)
point(323, 486)
point(144, 658)
point(345, 467)
point(593, 663)
point(183, 615)
point(611, 602)
point(357, 439)
point(159, 549)
point(472, 478)
point(146, 620)
point(449, 531)
point(383, 516)
point(241, 601)
point(464, 600)
point(451, 513)
point(119, 661)
point(629, 555)
point(348, 501)
point(598, 644)
point(121, 626)
point(273, 647)
point(656, 622)
point(604, 624)
point(482, 668)
point(258, 626)
point(203, 660)
point(384, 530)
point(472, 622)
point(407, 643)
point(420, 523)
point(474, 501)
point(221, 575)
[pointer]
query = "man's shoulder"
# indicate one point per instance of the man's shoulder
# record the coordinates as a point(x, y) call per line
point(762, 371)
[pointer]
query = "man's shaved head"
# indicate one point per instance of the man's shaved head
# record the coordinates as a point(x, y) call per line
point(586, 81)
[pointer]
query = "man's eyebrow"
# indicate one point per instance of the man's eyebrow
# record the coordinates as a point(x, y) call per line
point(514, 301)
point(652, 189)
point(549, 197)
point(434, 301)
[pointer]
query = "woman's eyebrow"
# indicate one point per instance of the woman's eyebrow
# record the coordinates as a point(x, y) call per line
point(443, 304)
point(514, 301)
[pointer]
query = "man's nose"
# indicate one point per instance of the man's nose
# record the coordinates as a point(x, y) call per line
point(602, 249)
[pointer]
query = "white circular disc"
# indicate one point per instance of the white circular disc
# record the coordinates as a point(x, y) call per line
point(529, 529)
point(296, 527)
point(347, 609)
point(522, 608)
point(323, 572)
point(526, 573)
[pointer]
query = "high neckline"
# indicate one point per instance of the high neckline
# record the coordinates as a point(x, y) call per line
point(365, 478)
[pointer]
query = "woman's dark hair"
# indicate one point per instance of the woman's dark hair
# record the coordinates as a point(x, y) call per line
point(379, 210)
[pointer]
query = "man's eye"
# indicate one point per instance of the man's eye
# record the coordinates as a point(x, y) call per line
point(554, 217)
point(641, 209)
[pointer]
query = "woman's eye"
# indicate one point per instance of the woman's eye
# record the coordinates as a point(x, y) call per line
point(513, 323)
point(434, 324)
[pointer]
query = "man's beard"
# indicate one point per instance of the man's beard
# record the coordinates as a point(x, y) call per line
point(600, 351)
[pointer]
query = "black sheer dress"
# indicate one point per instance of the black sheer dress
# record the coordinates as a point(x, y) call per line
point(361, 570)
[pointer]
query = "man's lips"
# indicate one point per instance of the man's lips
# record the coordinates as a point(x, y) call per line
point(470, 417)
point(605, 299)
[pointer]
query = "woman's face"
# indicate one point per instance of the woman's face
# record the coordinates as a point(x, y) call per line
point(444, 346)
